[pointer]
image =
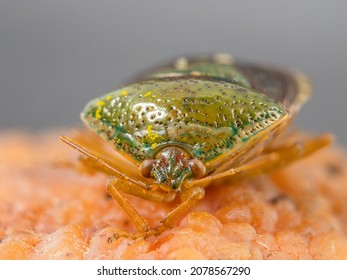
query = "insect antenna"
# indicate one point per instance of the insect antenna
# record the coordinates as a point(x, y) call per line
point(104, 163)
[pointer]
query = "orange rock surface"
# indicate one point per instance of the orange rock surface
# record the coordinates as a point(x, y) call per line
point(48, 211)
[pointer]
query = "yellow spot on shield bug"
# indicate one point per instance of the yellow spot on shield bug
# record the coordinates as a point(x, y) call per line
point(154, 145)
point(97, 113)
point(124, 93)
point(151, 135)
point(100, 103)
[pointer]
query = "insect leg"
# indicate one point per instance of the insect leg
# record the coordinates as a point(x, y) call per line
point(116, 186)
point(283, 156)
point(139, 223)
point(135, 190)
point(189, 198)
point(266, 163)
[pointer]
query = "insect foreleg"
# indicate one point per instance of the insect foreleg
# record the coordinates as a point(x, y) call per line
point(189, 198)
point(125, 186)
point(116, 187)
point(112, 187)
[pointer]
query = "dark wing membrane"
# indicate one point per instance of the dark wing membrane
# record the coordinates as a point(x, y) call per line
point(290, 88)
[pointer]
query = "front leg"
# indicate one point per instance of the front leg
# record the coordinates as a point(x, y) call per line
point(189, 198)
point(117, 186)
point(140, 224)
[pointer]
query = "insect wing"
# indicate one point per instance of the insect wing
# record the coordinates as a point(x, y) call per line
point(290, 88)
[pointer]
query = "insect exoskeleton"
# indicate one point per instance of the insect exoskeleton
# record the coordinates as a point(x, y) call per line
point(189, 123)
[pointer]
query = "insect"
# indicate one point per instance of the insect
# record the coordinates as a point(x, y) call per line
point(174, 131)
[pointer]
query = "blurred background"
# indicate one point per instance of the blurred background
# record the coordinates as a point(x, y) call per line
point(57, 55)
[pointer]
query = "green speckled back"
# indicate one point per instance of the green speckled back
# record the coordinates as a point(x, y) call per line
point(204, 115)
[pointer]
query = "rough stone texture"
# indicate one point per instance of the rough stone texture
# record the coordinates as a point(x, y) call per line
point(48, 211)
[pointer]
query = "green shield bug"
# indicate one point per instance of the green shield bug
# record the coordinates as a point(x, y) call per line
point(184, 125)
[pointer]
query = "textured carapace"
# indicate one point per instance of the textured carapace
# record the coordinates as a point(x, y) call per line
point(205, 117)
point(211, 108)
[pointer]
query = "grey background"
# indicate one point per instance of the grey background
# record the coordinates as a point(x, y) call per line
point(57, 55)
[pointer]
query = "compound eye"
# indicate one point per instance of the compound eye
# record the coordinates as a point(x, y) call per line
point(146, 167)
point(198, 168)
